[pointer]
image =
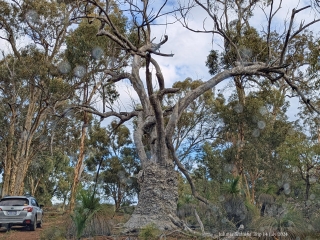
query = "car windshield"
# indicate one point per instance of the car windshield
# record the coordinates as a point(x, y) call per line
point(14, 202)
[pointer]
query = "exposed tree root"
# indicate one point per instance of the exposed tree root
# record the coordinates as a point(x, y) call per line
point(182, 225)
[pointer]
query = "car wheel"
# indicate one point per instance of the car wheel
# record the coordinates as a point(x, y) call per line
point(39, 224)
point(33, 226)
point(7, 226)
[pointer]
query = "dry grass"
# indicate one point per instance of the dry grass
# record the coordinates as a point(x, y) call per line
point(107, 225)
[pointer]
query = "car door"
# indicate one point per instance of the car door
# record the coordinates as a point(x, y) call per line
point(38, 209)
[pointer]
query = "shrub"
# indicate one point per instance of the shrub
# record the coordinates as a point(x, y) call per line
point(286, 220)
point(53, 233)
point(149, 232)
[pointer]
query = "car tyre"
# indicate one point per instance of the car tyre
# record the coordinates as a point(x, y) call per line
point(39, 224)
point(33, 226)
point(7, 226)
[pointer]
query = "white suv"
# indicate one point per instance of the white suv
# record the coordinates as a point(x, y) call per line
point(20, 211)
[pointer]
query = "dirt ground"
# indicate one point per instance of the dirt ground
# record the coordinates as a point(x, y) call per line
point(22, 233)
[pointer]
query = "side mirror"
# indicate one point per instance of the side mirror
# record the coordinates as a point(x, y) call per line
point(41, 205)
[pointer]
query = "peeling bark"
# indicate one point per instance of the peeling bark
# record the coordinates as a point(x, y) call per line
point(157, 199)
point(79, 166)
point(8, 157)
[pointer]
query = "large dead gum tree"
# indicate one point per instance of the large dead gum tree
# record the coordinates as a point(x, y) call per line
point(156, 123)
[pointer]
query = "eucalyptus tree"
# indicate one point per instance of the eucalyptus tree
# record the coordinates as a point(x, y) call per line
point(243, 43)
point(259, 152)
point(46, 176)
point(113, 162)
point(197, 124)
point(301, 153)
point(155, 122)
point(89, 57)
point(29, 77)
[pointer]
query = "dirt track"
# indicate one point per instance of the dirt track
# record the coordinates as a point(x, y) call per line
point(22, 233)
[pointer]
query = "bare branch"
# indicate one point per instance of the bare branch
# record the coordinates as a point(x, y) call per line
point(302, 96)
point(303, 28)
point(123, 116)
point(159, 75)
point(148, 75)
point(286, 42)
point(271, 15)
point(199, 221)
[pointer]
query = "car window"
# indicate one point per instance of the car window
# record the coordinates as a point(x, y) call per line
point(33, 202)
point(14, 202)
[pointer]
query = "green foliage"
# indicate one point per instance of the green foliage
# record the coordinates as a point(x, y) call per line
point(315, 221)
point(213, 62)
point(187, 85)
point(253, 211)
point(88, 54)
point(251, 46)
point(232, 188)
point(100, 224)
point(111, 148)
point(149, 232)
point(49, 175)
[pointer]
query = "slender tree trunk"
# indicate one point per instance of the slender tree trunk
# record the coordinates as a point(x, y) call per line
point(23, 148)
point(241, 134)
point(253, 178)
point(118, 198)
point(5, 183)
point(20, 160)
point(31, 183)
point(13, 175)
point(18, 173)
point(64, 203)
point(157, 198)
point(247, 188)
point(16, 167)
point(308, 185)
point(253, 192)
point(8, 158)
point(34, 184)
point(79, 166)
point(117, 205)
point(7, 171)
